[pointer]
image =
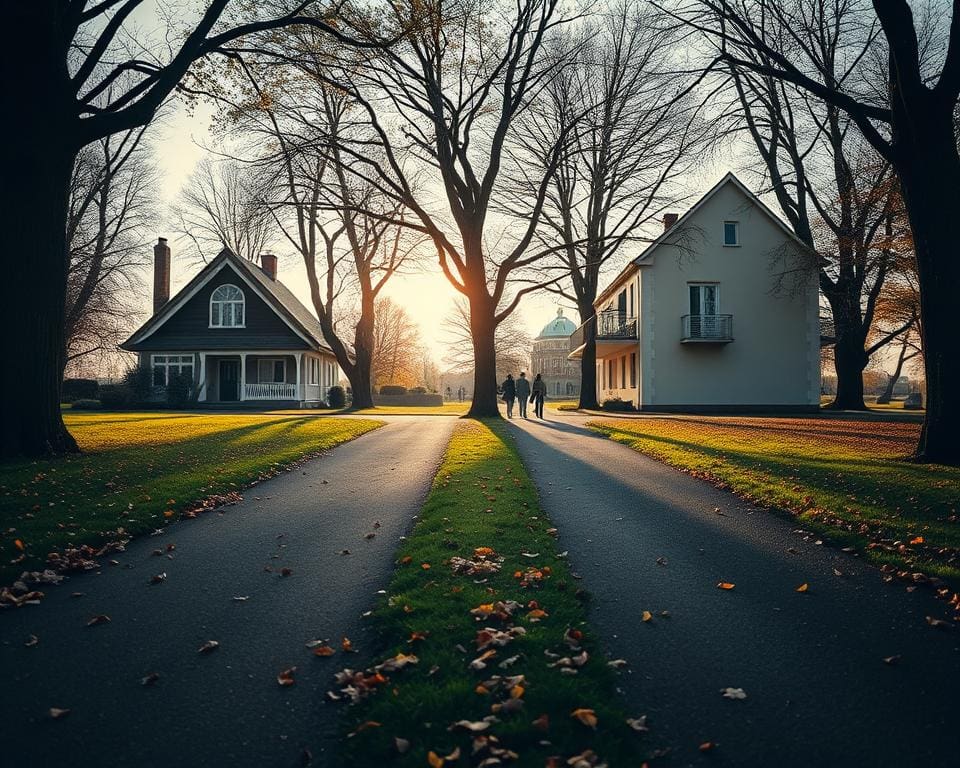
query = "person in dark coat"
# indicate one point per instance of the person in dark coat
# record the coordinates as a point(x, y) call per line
point(538, 396)
point(509, 389)
point(523, 392)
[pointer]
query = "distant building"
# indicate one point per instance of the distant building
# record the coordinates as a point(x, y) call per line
point(550, 358)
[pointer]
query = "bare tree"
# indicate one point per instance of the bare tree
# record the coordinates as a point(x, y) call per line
point(223, 204)
point(442, 106)
point(75, 72)
point(397, 355)
point(110, 206)
point(640, 131)
point(912, 125)
point(512, 342)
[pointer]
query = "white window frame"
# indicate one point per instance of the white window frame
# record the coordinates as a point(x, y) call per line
point(166, 361)
point(716, 300)
point(736, 232)
point(273, 362)
point(221, 304)
point(313, 373)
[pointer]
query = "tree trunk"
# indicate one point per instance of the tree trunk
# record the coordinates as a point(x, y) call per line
point(482, 329)
point(588, 359)
point(930, 178)
point(887, 395)
point(849, 356)
point(37, 161)
point(361, 372)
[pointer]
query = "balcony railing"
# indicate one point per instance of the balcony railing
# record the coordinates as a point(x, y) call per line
point(718, 328)
point(270, 391)
point(616, 325)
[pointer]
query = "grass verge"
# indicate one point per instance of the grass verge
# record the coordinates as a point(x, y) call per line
point(844, 479)
point(433, 713)
point(140, 470)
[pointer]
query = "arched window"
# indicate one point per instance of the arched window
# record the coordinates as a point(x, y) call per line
point(226, 307)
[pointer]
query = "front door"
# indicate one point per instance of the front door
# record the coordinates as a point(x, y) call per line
point(229, 380)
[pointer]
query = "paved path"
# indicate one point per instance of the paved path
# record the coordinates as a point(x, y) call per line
point(224, 708)
point(811, 665)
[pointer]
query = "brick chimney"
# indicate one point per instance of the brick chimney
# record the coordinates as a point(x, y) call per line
point(268, 263)
point(669, 219)
point(161, 274)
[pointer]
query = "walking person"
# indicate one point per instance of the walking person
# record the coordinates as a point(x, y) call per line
point(509, 390)
point(539, 395)
point(523, 392)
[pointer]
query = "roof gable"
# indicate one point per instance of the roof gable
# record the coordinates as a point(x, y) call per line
point(272, 294)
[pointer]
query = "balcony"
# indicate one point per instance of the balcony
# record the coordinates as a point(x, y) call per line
point(615, 332)
point(270, 391)
point(717, 329)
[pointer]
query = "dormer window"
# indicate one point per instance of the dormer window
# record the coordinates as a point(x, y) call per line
point(226, 307)
point(731, 233)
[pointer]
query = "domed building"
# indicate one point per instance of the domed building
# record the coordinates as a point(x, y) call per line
point(550, 350)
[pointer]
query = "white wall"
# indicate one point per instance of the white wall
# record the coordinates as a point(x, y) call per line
point(774, 357)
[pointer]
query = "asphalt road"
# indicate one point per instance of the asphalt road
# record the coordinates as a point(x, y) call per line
point(224, 707)
point(811, 665)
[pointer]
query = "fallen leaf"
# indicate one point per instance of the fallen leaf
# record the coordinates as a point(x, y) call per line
point(401, 745)
point(586, 716)
point(323, 650)
point(425, 566)
point(707, 746)
point(241, 598)
point(406, 560)
point(285, 678)
point(733, 693)
point(542, 723)
point(158, 578)
point(369, 535)
point(434, 760)
point(474, 726)
point(19, 544)
point(917, 540)
point(347, 644)
point(150, 679)
point(207, 647)
point(168, 513)
point(647, 616)
point(725, 585)
point(891, 660)
point(617, 663)
point(803, 588)
point(56, 713)
point(639, 724)
point(937, 623)
point(99, 619)
point(32, 641)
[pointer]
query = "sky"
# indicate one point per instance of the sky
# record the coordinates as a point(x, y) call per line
point(179, 142)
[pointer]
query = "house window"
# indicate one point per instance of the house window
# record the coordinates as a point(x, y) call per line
point(227, 307)
point(704, 298)
point(633, 370)
point(610, 373)
point(731, 233)
point(314, 371)
point(271, 372)
point(623, 372)
point(167, 366)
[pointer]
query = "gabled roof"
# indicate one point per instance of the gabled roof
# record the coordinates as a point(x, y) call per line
point(277, 296)
point(646, 256)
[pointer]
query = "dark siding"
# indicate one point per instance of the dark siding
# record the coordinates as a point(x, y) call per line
point(189, 329)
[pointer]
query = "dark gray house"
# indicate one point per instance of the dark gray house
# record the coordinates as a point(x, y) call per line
point(239, 332)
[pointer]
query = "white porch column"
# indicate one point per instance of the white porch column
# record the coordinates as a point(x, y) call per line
point(299, 366)
point(243, 376)
point(202, 383)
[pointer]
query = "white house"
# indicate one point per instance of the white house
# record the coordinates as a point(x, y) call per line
point(719, 313)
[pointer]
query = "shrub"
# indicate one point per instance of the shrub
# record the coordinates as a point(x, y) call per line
point(180, 390)
point(139, 380)
point(79, 389)
point(419, 390)
point(616, 404)
point(393, 389)
point(87, 404)
point(115, 396)
point(336, 397)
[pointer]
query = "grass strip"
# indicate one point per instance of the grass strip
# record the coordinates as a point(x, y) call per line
point(483, 498)
point(844, 479)
point(138, 471)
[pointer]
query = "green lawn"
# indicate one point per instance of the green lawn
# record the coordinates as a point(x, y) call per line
point(141, 470)
point(483, 498)
point(843, 478)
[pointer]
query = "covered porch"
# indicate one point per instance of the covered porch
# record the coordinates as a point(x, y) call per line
point(258, 377)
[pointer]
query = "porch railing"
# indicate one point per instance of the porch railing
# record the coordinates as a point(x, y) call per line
point(270, 391)
point(707, 328)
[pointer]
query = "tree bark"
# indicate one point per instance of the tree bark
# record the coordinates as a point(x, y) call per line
point(588, 359)
point(361, 372)
point(930, 178)
point(887, 395)
point(37, 161)
point(482, 328)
